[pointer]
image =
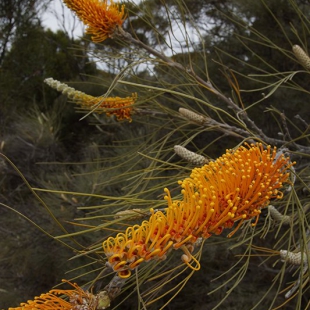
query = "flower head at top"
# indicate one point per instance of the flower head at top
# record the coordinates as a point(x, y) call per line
point(100, 17)
point(120, 107)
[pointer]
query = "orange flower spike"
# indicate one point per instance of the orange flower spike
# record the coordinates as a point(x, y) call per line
point(268, 175)
point(122, 108)
point(175, 217)
point(47, 301)
point(138, 244)
point(154, 226)
point(158, 240)
point(114, 249)
point(50, 300)
point(234, 187)
point(192, 220)
point(108, 246)
point(119, 249)
point(78, 297)
point(136, 233)
point(183, 216)
point(100, 17)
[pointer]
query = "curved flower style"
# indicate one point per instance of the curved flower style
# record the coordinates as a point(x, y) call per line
point(301, 56)
point(138, 244)
point(50, 301)
point(120, 107)
point(235, 187)
point(100, 17)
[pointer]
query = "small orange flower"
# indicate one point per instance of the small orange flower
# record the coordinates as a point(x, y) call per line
point(100, 17)
point(233, 188)
point(50, 301)
point(47, 301)
point(120, 107)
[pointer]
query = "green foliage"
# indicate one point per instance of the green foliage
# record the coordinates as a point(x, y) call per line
point(37, 53)
point(228, 62)
point(15, 17)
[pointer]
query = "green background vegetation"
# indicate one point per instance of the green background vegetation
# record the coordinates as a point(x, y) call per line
point(43, 135)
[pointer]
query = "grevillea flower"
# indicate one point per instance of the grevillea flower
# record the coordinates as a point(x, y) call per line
point(235, 187)
point(78, 298)
point(138, 244)
point(120, 107)
point(100, 17)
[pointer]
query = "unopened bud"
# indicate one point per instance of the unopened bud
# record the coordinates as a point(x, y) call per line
point(189, 156)
point(293, 258)
point(192, 116)
point(302, 56)
point(278, 216)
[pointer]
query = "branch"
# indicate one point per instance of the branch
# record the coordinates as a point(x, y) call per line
point(121, 34)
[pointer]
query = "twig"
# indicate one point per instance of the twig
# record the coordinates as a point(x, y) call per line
point(241, 114)
point(303, 121)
